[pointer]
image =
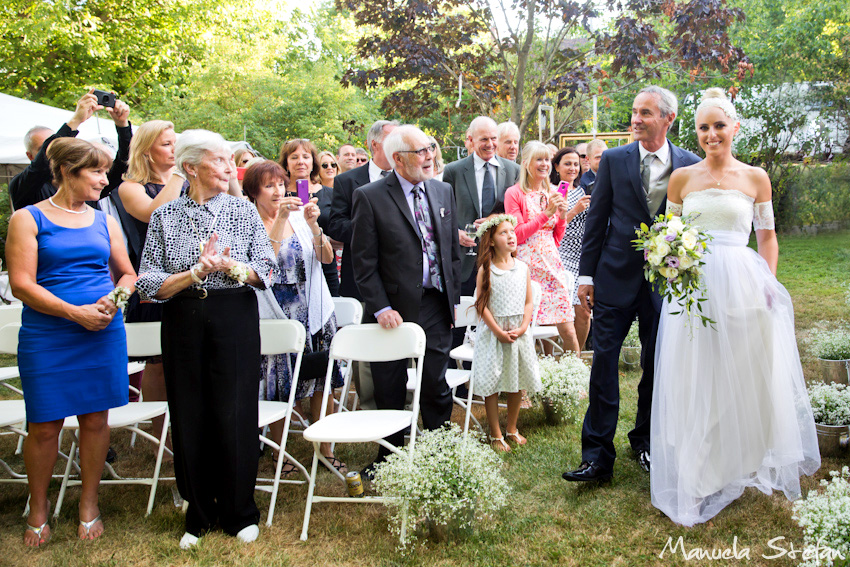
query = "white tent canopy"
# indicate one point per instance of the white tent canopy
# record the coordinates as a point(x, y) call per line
point(20, 115)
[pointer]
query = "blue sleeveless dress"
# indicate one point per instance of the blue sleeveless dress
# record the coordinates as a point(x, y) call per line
point(65, 369)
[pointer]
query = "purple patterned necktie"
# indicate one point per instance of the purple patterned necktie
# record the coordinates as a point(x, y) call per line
point(429, 243)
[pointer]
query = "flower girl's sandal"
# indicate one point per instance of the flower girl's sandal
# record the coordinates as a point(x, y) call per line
point(87, 527)
point(498, 444)
point(39, 532)
point(520, 440)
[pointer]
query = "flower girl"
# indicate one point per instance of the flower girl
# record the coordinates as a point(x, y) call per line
point(504, 358)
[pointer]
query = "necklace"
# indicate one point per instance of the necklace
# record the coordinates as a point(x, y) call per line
point(707, 170)
point(84, 211)
point(201, 241)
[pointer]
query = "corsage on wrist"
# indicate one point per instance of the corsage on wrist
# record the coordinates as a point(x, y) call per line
point(239, 272)
point(119, 297)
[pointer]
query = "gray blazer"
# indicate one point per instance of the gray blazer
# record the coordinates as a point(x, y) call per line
point(461, 176)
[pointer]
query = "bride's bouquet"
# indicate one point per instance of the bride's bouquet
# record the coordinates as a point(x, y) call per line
point(673, 250)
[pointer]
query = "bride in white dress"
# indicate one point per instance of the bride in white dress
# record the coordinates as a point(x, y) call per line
point(729, 407)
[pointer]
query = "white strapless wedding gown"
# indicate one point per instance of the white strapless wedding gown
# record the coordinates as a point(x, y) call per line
point(729, 407)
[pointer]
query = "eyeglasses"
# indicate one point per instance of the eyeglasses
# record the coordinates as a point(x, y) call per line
point(421, 152)
point(328, 164)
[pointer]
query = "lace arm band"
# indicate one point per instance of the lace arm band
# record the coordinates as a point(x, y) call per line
point(674, 208)
point(763, 216)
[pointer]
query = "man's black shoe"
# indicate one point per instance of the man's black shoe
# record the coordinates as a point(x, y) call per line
point(588, 472)
point(643, 459)
point(368, 472)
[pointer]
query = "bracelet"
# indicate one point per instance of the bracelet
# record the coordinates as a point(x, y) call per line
point(195, 277)
point(239, 272)
point(119, 296)
point(275, 241)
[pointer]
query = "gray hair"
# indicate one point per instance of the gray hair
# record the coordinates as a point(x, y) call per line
point(507, 128)
point(479, 122)
point(376, 132)
point(28, 141)
point(667, 101)
point(193, 145)
point(361, 152)
point(596, 143)
point(400, 140)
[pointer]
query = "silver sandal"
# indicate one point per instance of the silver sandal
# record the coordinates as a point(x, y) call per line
point(38, 531)
point(90, 524)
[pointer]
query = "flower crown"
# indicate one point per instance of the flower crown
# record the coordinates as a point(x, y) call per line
point(494, 221)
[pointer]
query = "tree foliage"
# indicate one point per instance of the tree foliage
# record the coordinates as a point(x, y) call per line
point(52, 49)
point(513, 55)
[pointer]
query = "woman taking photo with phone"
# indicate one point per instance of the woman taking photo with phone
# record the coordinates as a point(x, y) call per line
point(565, 173)
point(301, 293)
point(300, 160)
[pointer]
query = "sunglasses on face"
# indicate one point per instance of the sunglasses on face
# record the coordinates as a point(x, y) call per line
point(362, 159)
point(327, 165)
point(582, 156)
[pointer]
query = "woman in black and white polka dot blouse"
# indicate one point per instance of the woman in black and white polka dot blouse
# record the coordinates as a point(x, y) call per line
point(201, 251)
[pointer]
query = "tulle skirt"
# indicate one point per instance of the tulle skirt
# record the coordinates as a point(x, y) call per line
point(729, 408)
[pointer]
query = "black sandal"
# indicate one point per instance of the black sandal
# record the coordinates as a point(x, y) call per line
point(337, 464)
point(287, 469)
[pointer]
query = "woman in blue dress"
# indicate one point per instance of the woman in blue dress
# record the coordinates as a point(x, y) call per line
point(63, 258)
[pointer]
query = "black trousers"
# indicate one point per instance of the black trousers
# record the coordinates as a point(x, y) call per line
point(390, 378)
point(610, 327)
point(211, 358)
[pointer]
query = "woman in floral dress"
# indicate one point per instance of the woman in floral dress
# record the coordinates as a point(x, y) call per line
point(541, 212)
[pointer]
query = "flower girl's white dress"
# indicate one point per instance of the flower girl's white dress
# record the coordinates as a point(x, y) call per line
point(729, 406)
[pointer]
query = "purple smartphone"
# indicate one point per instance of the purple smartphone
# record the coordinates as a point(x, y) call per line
point(563, 187)
point(302, 190)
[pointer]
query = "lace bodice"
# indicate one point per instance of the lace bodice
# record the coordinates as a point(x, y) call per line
point(727, 209)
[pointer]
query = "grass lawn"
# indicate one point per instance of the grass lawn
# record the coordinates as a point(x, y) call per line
point(548, 521)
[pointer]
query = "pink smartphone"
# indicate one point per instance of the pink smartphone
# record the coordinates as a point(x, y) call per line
point(240, 173)
point(563, 187)
point(302, 190)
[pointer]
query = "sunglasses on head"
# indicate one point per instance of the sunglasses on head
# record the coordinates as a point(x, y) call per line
point(327, 165)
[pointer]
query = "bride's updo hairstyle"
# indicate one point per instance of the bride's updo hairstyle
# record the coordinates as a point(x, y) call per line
point(716, 97)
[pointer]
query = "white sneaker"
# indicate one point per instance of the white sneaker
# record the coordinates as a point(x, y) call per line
point(249, 534)
point(188, 541)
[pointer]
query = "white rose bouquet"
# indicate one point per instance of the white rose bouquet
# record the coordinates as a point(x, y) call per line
point(673, 250)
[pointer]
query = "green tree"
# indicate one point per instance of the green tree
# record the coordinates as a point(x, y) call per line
point(51, 50)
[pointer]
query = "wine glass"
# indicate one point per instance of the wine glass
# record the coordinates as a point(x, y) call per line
point(471, 231)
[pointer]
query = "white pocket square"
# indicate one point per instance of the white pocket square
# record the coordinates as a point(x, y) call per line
point(442, 212)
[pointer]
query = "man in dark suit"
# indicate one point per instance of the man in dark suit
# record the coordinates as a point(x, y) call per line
point(339, 224)
point(479, 182)
point(407, 265)
point(631, 188)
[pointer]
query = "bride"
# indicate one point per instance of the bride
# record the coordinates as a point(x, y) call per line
point(729, 408)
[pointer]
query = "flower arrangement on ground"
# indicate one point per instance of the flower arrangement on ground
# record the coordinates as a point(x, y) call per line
point(565, 383)
point(450, 480)
point(830, 343)
point(673, 250)
point(830, 403)
point(824, 517)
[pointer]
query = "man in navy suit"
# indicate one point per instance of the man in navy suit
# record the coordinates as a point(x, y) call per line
point(406, 259)
point(631, 188)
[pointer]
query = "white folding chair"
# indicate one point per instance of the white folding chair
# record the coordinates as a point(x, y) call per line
point(12, 417)
point(348, 311)
point(280, 336)
point(369, 343)
point(143, 339)
point(10, 315)
point(543, 333)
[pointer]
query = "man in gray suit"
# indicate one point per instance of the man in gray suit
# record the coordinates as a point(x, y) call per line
point(479, 182)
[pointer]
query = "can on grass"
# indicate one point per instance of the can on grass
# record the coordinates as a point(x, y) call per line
point(355, 486)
